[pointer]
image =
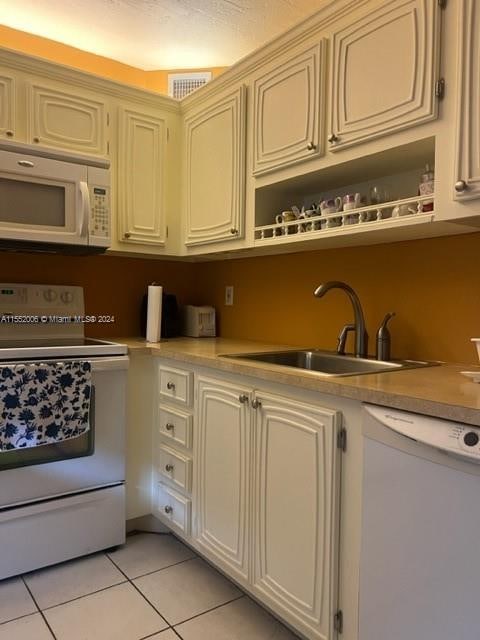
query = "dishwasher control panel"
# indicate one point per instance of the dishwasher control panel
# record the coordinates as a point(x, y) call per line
point(452, 437)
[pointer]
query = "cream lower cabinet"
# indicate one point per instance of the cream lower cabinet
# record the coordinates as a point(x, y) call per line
point(384, 71)
point(142, 139)
point(266, 498)
point(467, 168)
point(222, 454)
point(214, 171)
point(295, 510)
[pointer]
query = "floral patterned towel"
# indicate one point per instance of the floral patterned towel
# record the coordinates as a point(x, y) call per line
point(43, 403)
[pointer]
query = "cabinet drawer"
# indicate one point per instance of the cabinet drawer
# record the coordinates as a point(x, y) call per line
point(176, 467)
point(175, 384)
point(176, 427)
point(174, 507)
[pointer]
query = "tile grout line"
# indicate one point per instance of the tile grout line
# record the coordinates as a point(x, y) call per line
point(85, 595)
point(143, 596)
point(40, 611)
point(149, 573)
point(24, 615)
point(218, 606)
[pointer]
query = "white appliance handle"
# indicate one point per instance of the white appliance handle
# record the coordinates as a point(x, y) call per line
point(84, 216)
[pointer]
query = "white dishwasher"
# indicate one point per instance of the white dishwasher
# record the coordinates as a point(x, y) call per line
point(420, 548)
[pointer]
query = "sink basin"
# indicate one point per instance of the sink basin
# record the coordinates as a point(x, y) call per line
point(328, 363)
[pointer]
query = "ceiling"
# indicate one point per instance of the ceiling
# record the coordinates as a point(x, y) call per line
point(159, 34)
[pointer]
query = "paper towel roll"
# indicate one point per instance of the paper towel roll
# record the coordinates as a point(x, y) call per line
point(154, 313)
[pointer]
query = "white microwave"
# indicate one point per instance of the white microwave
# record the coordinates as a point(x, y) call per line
point(53, 201)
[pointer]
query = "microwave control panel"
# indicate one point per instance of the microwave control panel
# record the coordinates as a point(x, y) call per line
point(100, 211)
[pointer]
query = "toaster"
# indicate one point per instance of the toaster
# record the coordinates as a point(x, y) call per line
point(198, 322)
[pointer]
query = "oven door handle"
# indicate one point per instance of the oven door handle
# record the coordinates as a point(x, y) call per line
point(109, 364)
point(85, 210)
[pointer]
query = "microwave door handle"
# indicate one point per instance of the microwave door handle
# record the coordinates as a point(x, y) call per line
point(84, 209)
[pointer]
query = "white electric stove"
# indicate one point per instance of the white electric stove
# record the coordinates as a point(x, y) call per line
point(62, 500)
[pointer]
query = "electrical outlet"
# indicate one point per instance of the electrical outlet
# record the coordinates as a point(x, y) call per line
point(229, 296)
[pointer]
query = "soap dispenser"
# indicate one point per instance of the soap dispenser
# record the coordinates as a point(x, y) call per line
point(384, 339)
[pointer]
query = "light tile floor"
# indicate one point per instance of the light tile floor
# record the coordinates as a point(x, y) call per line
point(152, 588)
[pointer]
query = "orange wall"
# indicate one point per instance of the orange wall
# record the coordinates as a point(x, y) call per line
point(85, 61)
point(433, 286)
point(113, 285)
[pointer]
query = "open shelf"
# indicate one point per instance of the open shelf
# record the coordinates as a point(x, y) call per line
point(394, 213)
point(397, 171)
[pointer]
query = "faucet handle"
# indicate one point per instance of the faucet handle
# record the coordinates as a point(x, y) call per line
point(342, 338)
point(384, 338)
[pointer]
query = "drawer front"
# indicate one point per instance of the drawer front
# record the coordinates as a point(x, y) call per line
point(176, 427)
point(176, 468)
point(174, 508)
point(175, 384)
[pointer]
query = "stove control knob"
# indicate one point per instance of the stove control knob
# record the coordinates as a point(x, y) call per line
point(50, 295)
point(66, 297)
point(471, 439)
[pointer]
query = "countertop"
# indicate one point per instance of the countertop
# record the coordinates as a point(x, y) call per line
point(437, 391)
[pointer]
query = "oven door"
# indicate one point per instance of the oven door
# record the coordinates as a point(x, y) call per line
point(43, 200)
point(96, 459)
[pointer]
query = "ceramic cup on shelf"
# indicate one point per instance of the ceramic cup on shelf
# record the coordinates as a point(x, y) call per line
point(332, 206)
point(403, 210)
point(304, 215)
point(351, 201)
point(286, 216)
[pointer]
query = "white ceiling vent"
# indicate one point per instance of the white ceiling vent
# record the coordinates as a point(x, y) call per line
point(181, 84)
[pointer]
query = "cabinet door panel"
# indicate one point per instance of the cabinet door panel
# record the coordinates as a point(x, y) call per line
point(467, 167)
point(60, 118)
point(215, 171)
point(295, 507)
point(288, 111)
point(384, 71)
point(141, 169)
point(7, 106)
point(222, 446)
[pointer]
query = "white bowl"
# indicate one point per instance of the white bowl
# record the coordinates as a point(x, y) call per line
point(477, 344)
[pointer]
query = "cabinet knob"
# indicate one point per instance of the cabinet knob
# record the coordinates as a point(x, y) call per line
point(169, 426)
point(127, 235)
point(460, 186)
point(9, 133)
point(168, 509)
point(171, 386)
point(332, 138)
point(243, 398)
point(256, 404)
point(233, 231)
point(36, 140)
point(169, 467)
point(311, 146)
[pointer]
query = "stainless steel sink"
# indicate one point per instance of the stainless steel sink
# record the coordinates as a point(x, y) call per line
point(328, 363)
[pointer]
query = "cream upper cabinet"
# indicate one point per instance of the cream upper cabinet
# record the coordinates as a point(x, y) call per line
point(60, 116)
point(384, 71)
point(288, 108)
point(141, 177)
point(295, 507)
point(222, 459)
point(7, 106)
point(467, 166)
point(215, 171)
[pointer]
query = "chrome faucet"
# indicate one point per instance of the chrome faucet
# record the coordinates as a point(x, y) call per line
point(361, 335)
